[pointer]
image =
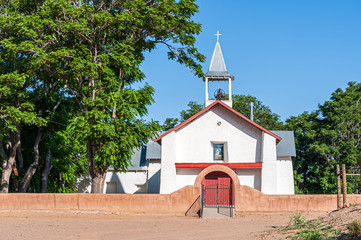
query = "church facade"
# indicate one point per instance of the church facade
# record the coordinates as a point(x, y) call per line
point(218, 137)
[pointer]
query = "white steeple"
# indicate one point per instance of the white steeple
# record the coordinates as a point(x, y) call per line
point(218, 72)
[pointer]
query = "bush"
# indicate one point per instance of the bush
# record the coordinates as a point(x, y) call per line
point(310, 230)
point(354, 228)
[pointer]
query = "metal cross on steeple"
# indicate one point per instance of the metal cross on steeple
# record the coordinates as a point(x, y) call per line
point(218, 34)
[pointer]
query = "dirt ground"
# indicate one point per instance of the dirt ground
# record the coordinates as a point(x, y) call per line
point(97, 225)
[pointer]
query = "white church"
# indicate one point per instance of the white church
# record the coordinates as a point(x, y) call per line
point(216, 137)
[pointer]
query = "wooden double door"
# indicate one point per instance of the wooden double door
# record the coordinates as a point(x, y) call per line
point(217, 190)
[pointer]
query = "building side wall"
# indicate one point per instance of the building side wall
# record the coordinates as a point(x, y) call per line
point(129, 182)
point(250, 177)
point(169, 157)
point(269, 166)
point(285, 181)
point(154, 176)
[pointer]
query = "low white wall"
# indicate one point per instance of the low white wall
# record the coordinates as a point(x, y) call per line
point(129, 182)
point(250, 177)
point(186, 177)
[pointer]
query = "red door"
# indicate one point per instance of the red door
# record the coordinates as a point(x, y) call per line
point(217, 189)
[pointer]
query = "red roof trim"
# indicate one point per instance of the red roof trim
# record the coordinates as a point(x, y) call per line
point(205, 165)
point(209, 107)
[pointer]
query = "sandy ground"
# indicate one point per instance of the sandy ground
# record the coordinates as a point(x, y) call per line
point(96, 225)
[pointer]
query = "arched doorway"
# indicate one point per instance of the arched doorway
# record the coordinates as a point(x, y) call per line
point(217, 190)
point(220, 171)
point(217, 195)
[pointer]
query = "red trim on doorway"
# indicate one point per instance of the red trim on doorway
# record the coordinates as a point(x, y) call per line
point(230, 165)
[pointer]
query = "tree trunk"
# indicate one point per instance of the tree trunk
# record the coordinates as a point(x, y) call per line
point(20, 158)
point(98, 183)
point(24, 184)
point(97, 175)
point(9, 163)
point(45, 173)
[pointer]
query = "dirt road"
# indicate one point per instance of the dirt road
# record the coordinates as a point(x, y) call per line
point(21, 225)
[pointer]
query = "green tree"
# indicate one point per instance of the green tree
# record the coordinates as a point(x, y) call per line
point(194, 107)
point(241, 103)
point(262, 114)
point(96, 48)
point(329, 136)
point(169, 123)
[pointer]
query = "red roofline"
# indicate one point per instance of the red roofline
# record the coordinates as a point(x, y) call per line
point(209, 107)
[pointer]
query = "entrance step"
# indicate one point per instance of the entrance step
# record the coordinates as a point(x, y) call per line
point(214, 213)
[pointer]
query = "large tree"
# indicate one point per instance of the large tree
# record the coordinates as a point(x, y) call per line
point(91, 51)
point(326, 137)
point(102, 43)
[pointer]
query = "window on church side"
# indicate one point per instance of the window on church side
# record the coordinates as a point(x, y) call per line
point(218, 152)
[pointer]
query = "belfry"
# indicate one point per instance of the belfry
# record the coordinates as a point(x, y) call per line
point(218, 72)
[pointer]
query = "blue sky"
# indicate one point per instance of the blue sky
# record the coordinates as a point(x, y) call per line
point(291, 55)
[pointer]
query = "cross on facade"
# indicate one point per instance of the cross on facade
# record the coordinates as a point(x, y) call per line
point(218, 34)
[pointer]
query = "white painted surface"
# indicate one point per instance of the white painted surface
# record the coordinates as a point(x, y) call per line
point(285, 181)
point(269, 166)
point(227, 102)
point(169, 157)
point(154, 176)
point(186, 177)
point(250, 177)
point(129, 182)
point(194, 141)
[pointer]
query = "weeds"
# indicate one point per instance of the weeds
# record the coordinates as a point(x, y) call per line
point(354, 228)
point(310, 230)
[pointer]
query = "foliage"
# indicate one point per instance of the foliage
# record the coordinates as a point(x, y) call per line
point(99, 47)
point(297, 220)
point(326, 137)
point(310, 230)
point(90, 52)
point(262, 114)
point(194, 107)
point(169, 123)
point(354, 228)
point(241, 103)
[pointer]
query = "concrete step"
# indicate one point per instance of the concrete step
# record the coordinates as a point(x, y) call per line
point(209, 212)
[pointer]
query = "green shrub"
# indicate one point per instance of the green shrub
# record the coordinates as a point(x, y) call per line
point(354, 228)
point(310, 230)
point(297, 221)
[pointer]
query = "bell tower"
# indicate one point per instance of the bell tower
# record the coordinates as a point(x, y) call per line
point(218, 72)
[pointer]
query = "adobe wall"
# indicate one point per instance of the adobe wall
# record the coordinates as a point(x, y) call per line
point(177, 202)
point(180, 202)
point(251, 200)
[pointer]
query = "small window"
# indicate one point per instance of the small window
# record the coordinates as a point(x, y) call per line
point(218, 153)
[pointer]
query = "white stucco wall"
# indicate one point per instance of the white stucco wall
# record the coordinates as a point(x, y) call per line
point(244, 143)
point(154, 176)
point(285, 180)
point(169, 156)
point(269, 166)
point(129, 182)
point(186, 177)
point(250, 177)
point(194, 141)
point(193, 144)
